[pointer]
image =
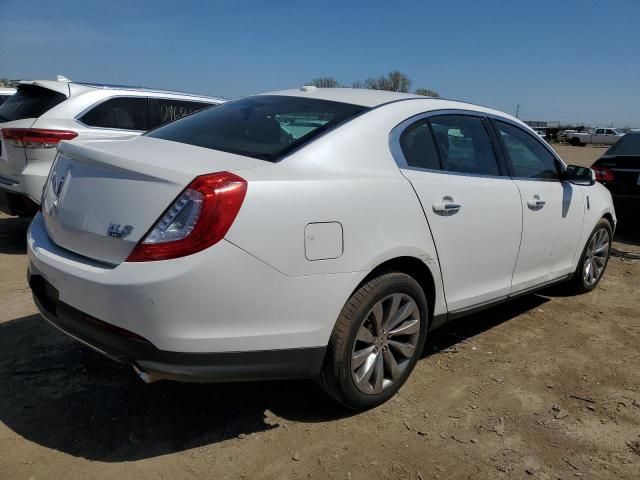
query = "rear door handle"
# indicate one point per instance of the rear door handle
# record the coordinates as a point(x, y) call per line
point(536, 202)
point(446, 208)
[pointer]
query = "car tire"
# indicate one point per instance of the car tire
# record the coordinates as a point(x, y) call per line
point(593, 264)
point(575, 142)
point(369, 358)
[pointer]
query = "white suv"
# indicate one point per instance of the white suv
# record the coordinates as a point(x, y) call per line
point(307, 233)
point(42, 113)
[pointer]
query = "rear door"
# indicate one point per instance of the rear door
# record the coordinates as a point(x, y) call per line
point(553, 210)
point(472, 206)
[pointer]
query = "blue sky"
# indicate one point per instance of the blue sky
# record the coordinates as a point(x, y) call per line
point(560, 60)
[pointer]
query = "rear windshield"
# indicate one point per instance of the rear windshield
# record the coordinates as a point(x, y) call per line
point(627, 145)
point(29, 101)
point(265, 126)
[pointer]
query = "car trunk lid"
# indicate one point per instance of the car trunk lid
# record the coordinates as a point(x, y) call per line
point(102, 197)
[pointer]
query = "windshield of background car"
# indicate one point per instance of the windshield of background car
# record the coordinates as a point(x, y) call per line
point(627, 145)
point(29, 101)
point(266, 127)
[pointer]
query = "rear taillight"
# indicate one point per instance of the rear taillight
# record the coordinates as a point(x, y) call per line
point(199, 218)
point(36, 137)
point(604, 174)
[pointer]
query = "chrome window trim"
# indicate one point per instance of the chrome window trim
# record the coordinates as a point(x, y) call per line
point(401, 161)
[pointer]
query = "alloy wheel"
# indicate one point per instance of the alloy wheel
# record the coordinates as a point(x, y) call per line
point(596, 257)
point(385, 343)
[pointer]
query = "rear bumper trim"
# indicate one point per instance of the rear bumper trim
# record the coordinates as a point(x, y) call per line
point(127, 347)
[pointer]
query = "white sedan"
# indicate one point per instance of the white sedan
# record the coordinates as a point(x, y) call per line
point(312, 233)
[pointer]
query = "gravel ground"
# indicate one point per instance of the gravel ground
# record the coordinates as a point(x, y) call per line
point(546, 387)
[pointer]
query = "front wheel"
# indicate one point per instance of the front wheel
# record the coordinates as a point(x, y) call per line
point(594, 259)
point(376, 341)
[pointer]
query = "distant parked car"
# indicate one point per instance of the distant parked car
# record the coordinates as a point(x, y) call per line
point(6, 93)
point(619, 170)
point(312, 233)
point(605, 136)
point(563, 135)
point(42, 113)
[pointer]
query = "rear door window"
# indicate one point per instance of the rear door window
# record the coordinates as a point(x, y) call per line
point(464, 144)
point(529, 158)
point(419, 147)
point(165, 110)
point(266, 127)
point(123, 113)
point(30, 101)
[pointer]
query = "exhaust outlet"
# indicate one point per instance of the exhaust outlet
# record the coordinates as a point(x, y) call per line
point(145, 376)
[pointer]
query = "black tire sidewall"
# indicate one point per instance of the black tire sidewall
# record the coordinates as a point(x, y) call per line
point(399, 284)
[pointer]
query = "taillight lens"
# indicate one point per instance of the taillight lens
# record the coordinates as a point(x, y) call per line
point(604, 175)
point(36, 137)
point(199, 218)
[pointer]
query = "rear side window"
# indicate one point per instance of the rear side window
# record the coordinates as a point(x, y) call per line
point(266, 127)
point(464, 144)
point(627, 145)
point(165, 110)
point(124, 113)
point(30, 101)
point(529, 158)
point(418, 146)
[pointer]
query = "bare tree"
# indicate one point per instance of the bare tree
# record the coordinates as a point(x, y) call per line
point(325, 82)
point(394, 81)
point(357, 84)
point(427, 92)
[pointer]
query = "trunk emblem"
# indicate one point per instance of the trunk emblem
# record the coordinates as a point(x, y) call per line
point(119, 231)
point(59, 190)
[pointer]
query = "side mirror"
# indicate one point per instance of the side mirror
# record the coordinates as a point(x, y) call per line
point(580, 175)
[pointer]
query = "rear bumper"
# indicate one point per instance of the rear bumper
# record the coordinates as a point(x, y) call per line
point(129, 348)
point(17, 204)
point(626, 202)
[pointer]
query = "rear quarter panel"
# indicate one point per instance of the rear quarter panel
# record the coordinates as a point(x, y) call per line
point(347, 176)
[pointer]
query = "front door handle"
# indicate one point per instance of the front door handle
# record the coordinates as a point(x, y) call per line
point(536, 203)
point(446, 207)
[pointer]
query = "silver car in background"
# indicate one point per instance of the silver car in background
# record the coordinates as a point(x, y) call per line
point(42, 113)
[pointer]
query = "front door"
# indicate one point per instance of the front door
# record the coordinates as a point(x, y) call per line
point(553, 210)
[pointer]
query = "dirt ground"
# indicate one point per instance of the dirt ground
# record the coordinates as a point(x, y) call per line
point(546, 387)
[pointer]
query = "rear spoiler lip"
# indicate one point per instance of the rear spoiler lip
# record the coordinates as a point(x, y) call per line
point(59, 87)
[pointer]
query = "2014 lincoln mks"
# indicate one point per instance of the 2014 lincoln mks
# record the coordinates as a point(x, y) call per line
point(312, 233)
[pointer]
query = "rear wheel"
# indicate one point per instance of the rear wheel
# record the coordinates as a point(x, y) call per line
point(594, 259)
point(376, 341)
point(575, 141)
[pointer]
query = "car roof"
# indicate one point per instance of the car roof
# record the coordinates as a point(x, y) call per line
point(64, 87)
point(355, 96)
point(374, 98)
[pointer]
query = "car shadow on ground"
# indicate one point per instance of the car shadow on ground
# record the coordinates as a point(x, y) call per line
point(13, 235)
point(62, 395)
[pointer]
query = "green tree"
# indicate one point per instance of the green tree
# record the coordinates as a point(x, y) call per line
point(325, 82)
point(427, 92)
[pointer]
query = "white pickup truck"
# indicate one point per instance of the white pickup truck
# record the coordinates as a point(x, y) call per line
point(607, 136)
